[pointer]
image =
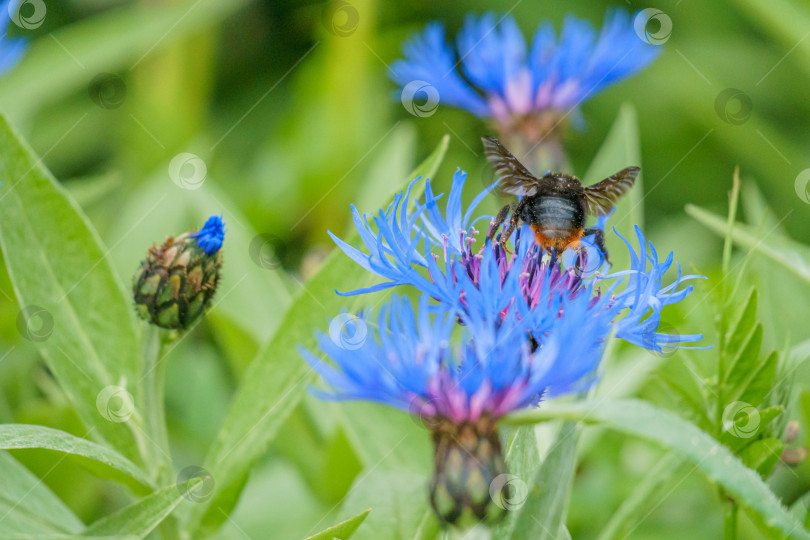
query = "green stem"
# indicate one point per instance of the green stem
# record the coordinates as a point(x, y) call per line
point(153, 407)
point(733, 198)
point(729, 518)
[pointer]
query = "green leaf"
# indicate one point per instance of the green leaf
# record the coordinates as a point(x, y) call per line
point(645, 497)
point(757, 211)
point(523, 461)
point(343, 530)
point(795, 257)
point(141, 517)
point(399, 505)
point(341, 466)
point(276, 380)
point(744, 325)
point(733, 200)
point(62, 276)
point(28, 506)
point(543, 512)
point(668, 430)
point(119, 38)
point(747, 425)
point(762, 455)
point(522, 457)
point(759, 382)
point(386, 437)
point(689, 399)
point(742, 364)
point(112, 464)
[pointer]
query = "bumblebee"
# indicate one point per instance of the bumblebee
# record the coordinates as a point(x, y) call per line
point(554, 205)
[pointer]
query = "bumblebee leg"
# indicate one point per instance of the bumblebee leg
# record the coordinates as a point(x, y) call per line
point(499, 219)
point(516, 210)
point(513, 223)
point(599, 239)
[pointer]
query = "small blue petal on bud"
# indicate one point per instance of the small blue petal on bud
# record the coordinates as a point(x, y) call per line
point(211, 236)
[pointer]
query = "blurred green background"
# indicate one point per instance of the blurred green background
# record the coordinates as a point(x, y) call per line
point(291, 121)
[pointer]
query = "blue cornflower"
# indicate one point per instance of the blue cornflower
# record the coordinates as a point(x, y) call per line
point(412, 366)
point(399, 246)
point(531, 327)
point(460, 391)
point(11, 50)
point(211, 236)
point(516, 85)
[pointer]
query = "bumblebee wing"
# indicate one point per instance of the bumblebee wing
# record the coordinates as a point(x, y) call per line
point(600, 197)
point(514, 177)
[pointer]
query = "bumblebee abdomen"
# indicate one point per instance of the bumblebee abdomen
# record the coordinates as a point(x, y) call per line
point(555, 217)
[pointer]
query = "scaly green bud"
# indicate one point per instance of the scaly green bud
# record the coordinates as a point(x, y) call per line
point(177, 280)
point(468, 463)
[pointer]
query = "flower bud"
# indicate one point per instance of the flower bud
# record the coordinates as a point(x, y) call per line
point(467, 460)
point(178, 278)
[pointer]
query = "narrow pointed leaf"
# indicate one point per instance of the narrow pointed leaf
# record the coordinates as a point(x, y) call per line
point(672, 432)
point(74, 307)
point(343, 530)
point(644, 498)
point(28, 506)
point(795, 257)
point(100, 459)
point(140, 518)
point(544, 510)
